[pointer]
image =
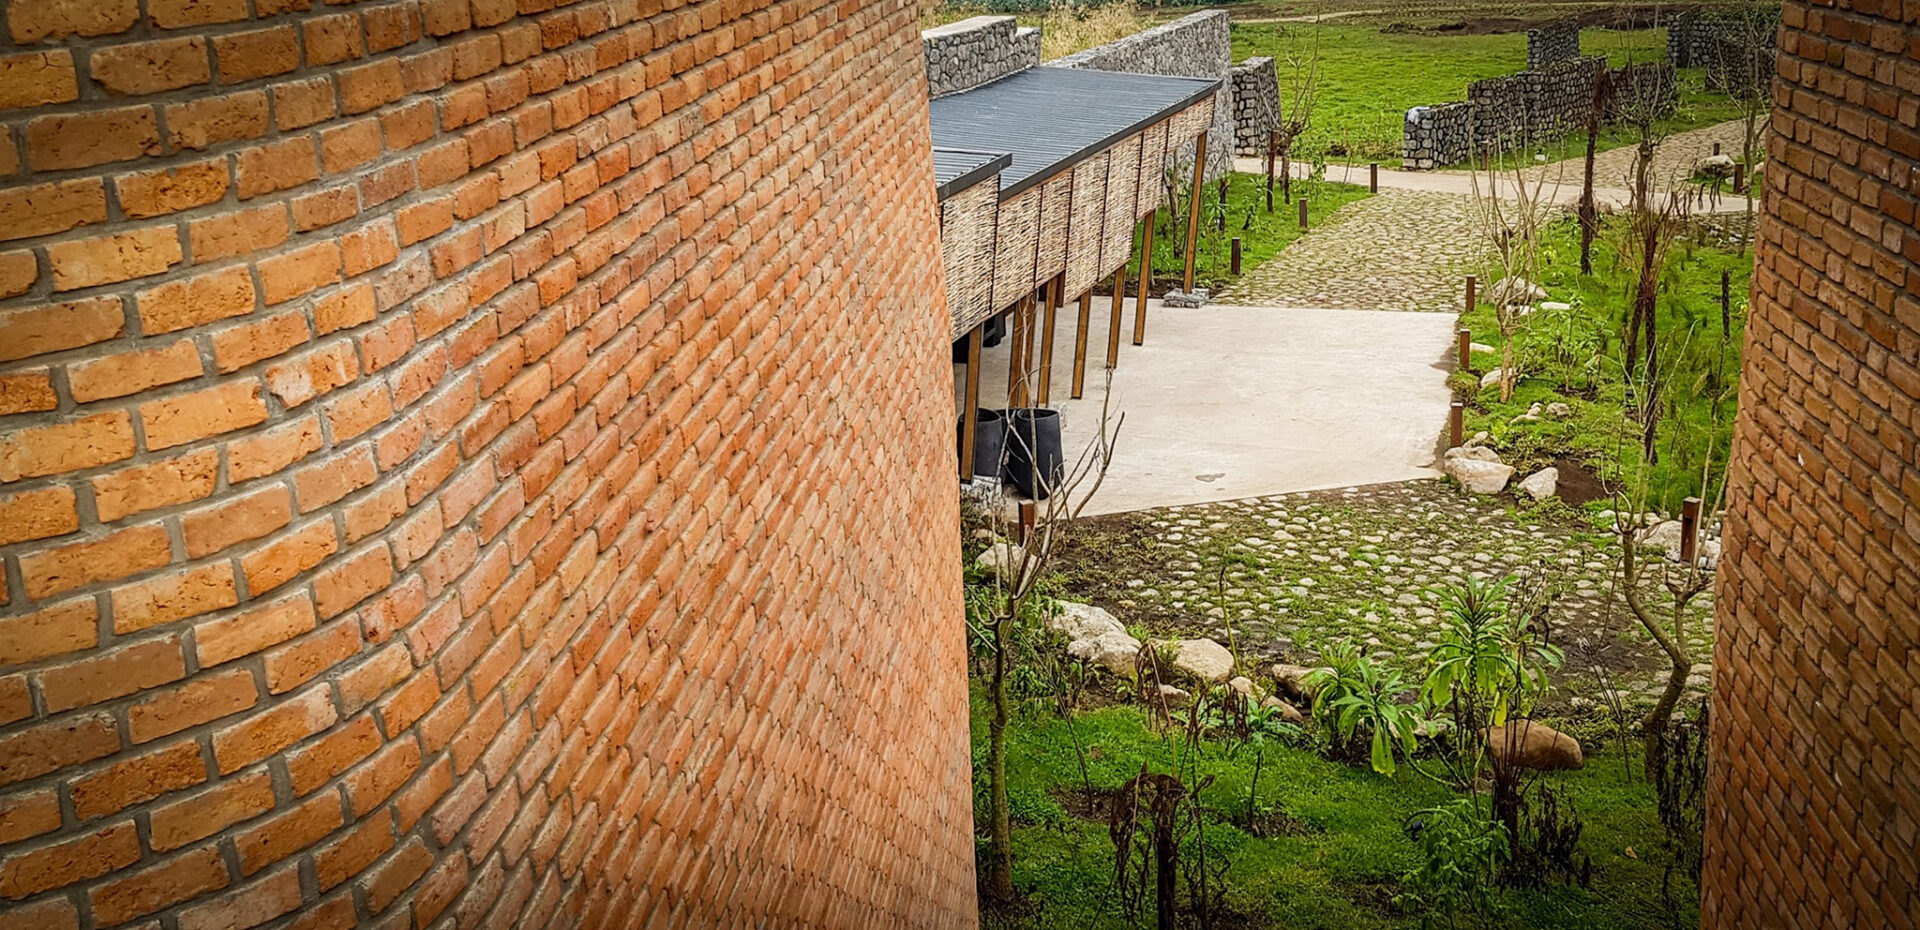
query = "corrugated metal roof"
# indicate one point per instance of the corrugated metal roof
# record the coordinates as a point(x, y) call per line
point(1051, 119)
point(955, 170)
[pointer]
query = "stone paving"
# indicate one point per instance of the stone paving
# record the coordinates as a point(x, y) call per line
point(1399, 250)
point(1305, 570)
point(1673, 160)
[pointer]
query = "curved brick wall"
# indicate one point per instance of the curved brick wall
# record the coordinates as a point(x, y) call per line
point(1815, 795)
point(456, 462)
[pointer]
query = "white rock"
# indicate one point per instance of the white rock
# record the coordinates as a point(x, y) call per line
point(1559, 411)
point(1480, 347)
point(1173, 695)
point(1554, 304)
point(1292, 679)
point(1481, 475)
point(1113, 652)
point(1715, 166)
point(1541, 484)
point(1002, 559)
point(1477, 453)
point(1242, 684)
point(1491, 378)
point(1204, 659)
point(1288, 712)
point(1084, 621)
point(1665, 535)
point(1514, 291)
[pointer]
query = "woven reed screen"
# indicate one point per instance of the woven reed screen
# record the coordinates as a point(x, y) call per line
point(1153, 158)
point(1056, 215)
point(1013, 248)
point(968, 222)
point(1089, 224)
point(1123, 188)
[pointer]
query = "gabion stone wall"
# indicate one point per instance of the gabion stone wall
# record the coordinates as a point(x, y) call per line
point(1739, 67)
point(1517, 110)
point(1813, 793)
point(1552, 44)
point(1256, 105)
point(1438, 136)
point(453, 458)
point(964, 55)
point(1692, 36)
point(1200, 46)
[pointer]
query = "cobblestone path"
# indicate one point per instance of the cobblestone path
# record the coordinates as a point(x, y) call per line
point(1305, 570)
point(1399, 250)
point(1673, 160)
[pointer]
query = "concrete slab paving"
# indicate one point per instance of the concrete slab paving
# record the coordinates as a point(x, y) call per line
point(1224, 403)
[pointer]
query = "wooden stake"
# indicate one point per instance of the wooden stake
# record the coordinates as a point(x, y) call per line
point(1739, 178)
point(1303, 214)
point(1080, 346)
point(1273, 145)
point(1146, 281)
point(1457, 425)
point(1113, 325)
point(1193, 210)
point(1689, 529)
point(1373, 177)
point(1472, 282)
point(1236, 256)
point(1053, 293)
point(970, 405)
point(1029, 516)
point(1017, 362)
point(1466, 347)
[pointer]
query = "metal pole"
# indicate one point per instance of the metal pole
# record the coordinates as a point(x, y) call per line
point(1193, 208)
point(1689, 529)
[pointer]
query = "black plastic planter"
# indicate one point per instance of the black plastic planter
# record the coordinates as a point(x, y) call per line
point(989, 442)
point(1034, 461)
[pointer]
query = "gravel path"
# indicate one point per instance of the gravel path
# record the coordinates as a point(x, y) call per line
point(1399, 250)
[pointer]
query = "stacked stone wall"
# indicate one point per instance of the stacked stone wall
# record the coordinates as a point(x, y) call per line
point(1199, 45)
point(1813, 793)
point(452, 466)
point(1438, 136)
point(1256, 105)
point(1693, 37)
point(1552, 44)
point(1532, 107)
point(964, 55)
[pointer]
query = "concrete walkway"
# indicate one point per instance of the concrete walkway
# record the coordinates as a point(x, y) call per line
point(1224, 403)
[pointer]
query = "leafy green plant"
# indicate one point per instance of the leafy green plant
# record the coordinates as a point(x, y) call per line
point(1354, 697)
point(1461, 853)
point(1259, 727)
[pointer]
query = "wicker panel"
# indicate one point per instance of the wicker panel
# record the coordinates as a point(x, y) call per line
point(1089, 227)
point(1153, 162)
point(1123, 188)
point(1055, 217)
point(967, 228)
point(1018, 225)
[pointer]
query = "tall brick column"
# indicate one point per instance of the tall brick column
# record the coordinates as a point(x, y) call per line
point(475, 463)
point(1814, 801)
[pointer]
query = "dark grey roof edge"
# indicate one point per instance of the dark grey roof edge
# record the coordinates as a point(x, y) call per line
point(1067, 164)
point(996, 162)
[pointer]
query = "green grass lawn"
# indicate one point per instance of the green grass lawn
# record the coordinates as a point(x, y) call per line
point(1556, 351)
point(1340, 867)
point(1369, 78)
point(1245, 216)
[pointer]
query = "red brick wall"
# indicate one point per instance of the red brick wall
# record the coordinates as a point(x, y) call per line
point(1814, 816)
point(475, 463)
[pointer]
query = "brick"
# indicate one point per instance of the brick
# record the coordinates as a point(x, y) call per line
point(32, 331)
point(37, 514)
point(18, 271)
point(288, 832)
point(345, 147)
point(150, 67)
point(370, 785)
point(367, 86)
point(210, 412)
point(36, 20)
point(319, 485)
point(137, 778)
point(236, 347)
point(26, 392)
point(399, 873)
point(161, 483)
point(133, 372)
point(348, 582)
point(240, 233)
point(178, 879)
point(252, 630)
point(298, 104)
point(276, 166)
point(264, 734)
point(300, 661)
point(51, 746)
point(96, 137)
point(198, 590)
point(257, 53)
point(130, 551)
point(284, 277)
point(16, 702)
point(50, 208)
point(325, 207)
point(83, 857)
point(32, 79)
point(348, 856)
point(195, 818)
point(235, 520)
point(25, 816)
point(313, 374)
point(89, 441)
point(206, 698)
point(188, 302)
point(332, 39)
point(355, 412)
point(275, 895)
point(114, 258)
point(179, 14)
point(47, 914)
point(269, 451)
point(50, 631)
point(115, 674)
point(170, 190)
point(278, 562)
point(312, 765)
point(210, 121)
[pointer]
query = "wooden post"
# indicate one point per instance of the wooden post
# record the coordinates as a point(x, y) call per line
point(1689, 529)
point(1716, 148)
point(1303, 214)
point(1273, 145)
point(1029, 515)
point(1113, 325)
point(1146, 280)
point(1080, 346)
point(970, 405)
point(1017, 355)
point(1457, 425)
point(1373, 177)
point(1236, 256)
point(1472, 282)
point(1193, 210)
point(1466, 347)
point(1739, 177)
point(1726, 303)
point(1053, 291)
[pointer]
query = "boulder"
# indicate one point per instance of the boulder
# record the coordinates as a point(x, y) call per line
point(1288, 712)
point(1185, 300)
point(1514, 291)
point(1002, 559)
point(1718, 167)
point(1491, 378)
point(1480, 347)
point(1174, 696)
point(1243, 685)
point(1559, 411)
point(1663, 535)
point(1292, 680)
point(1525, 744)
point(1113, 652)
point(1555, 305)
point(1478, 469)
point(1541, 484)
point(1083, 621)
point(1203, 659)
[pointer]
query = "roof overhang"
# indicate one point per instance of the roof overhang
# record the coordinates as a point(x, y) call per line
point(955, 170)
